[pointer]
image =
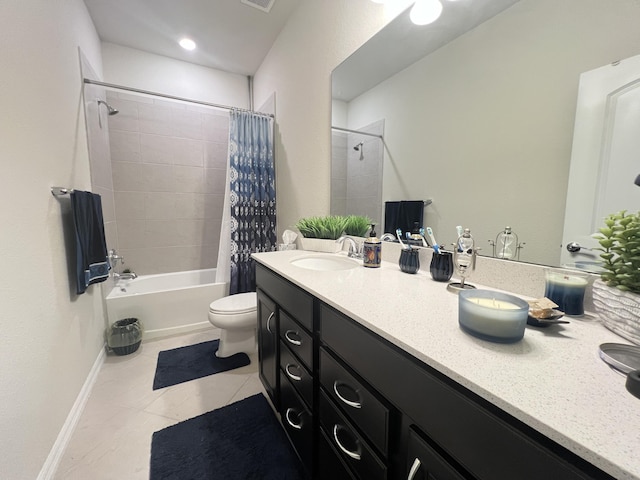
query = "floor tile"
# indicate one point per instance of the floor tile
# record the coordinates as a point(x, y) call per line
point(113, 437)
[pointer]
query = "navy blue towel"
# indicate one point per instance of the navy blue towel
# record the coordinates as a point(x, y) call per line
point(402, 215)
point(92, 263)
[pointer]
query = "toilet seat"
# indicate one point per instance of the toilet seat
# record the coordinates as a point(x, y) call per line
point(235, 311)
point(235, 304)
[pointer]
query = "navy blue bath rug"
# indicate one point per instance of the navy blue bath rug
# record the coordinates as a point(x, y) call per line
point(194, 361)
point(242, 441)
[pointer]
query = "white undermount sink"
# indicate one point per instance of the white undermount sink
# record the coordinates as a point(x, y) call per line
point(326, 263)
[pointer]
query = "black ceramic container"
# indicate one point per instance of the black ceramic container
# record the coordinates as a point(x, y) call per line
point(441, 267)
point(409, 260)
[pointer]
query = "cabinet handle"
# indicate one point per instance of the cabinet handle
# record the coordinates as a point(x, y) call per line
point(292, 341)
point(344, 400)
point(297, 378)
point(269, 322)
point(297, 426)
point(354, 455)
point(414, 469)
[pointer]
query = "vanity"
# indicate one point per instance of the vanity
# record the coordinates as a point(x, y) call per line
point(373, 379)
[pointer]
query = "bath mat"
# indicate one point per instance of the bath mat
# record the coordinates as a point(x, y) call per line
point(241, 441)
point(194, 361)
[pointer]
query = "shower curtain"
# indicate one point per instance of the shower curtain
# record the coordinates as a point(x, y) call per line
point(249, 218)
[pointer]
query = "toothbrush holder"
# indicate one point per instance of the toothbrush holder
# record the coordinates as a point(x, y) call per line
point(409, 260)
point(441, 266)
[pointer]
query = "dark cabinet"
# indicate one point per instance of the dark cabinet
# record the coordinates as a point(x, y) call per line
point(357, 407)
point(268, 345)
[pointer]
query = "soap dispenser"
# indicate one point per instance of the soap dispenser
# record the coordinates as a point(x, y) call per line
point(372, 251)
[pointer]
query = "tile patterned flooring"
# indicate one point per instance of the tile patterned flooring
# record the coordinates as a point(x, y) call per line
point(113, 437)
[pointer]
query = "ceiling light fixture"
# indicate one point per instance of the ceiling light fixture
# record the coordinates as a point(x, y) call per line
point(425, 12)
point(187, 44)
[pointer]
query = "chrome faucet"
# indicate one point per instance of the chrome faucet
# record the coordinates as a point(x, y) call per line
point(355, 248)
point(388, 237)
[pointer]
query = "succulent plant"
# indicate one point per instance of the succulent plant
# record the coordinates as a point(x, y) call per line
point(619, 242)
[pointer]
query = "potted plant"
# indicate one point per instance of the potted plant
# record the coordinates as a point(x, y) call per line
point(320, 233)
point(616, 294)
point(357, 225)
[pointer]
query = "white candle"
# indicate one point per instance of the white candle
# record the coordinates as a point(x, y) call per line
point(493, 303)
point(493, 316)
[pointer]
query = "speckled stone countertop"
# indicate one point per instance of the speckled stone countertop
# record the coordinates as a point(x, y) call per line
point(553, 379)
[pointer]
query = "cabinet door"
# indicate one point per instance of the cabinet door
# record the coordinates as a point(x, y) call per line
point(268, 345)
point(424, 463)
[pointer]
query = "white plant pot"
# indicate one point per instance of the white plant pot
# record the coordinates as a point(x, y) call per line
point(618, 310)
point(320, 245)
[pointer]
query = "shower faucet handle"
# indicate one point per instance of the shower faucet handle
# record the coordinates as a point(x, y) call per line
point(114, 257)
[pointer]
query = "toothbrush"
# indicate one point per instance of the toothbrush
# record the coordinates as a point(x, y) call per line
point(399, 235)
point(424, 240)
point(436, 247)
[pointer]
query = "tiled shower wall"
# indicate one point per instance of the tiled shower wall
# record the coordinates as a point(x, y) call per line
point(169, 174)
point(356, 184)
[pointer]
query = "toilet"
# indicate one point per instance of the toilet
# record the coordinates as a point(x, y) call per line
point(236, 317)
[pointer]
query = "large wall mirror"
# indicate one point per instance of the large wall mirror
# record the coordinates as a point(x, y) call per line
point(475, 112)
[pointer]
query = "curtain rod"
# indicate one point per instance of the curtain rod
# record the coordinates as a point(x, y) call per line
point(356, 131)
point(172, 97)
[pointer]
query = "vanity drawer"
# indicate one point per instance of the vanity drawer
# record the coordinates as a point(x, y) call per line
point(290, 297)
point(297, 339)
point(330, 465)
point(351, 446)
point(356, 400)
point(297, 421)
point(297, 374)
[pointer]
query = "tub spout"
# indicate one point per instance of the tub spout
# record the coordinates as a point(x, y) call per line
point(124, 276)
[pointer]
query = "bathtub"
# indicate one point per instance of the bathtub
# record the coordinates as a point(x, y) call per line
point(166, 304)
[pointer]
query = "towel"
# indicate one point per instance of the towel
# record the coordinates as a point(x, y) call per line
point(92, 262)
point(402, 215)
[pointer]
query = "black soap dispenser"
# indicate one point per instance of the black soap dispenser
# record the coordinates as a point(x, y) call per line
point(372, 251)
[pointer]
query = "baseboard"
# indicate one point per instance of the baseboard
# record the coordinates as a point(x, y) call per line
point(180, 330)
point(51, 463)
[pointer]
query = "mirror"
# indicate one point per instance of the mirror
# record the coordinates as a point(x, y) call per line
point(480, 116)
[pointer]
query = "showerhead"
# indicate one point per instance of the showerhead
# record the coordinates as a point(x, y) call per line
point(110, 109)
point(357, 147)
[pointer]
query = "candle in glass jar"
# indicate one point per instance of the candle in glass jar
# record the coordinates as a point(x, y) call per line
point(494, 316)
point(567, 290)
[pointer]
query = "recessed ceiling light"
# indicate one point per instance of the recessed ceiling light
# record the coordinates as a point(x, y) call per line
point(187, 44)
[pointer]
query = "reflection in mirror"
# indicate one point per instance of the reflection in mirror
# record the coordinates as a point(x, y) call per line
point(483, 124)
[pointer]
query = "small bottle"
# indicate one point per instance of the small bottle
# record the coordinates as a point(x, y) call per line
point(372, 251)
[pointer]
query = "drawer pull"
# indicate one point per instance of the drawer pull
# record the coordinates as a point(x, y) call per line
point(292, 341)
point(354, 455)
point(414, 469)
point(342, 399)
point(269, 322)
point(297, 426)
point(297, 378)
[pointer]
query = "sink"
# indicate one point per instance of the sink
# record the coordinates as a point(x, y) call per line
point(325, 263)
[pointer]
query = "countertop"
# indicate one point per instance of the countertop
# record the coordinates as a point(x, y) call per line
point(553, 379)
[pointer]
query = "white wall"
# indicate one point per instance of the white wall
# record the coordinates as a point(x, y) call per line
point(50, 336)
point(134, 68)
point(298, 68)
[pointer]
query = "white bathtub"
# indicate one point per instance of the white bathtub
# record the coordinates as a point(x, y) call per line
point(166, 304)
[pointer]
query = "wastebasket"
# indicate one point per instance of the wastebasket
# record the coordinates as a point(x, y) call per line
point(124, 336)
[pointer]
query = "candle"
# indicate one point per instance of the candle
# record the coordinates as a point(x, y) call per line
point(567, 290)
point(493, 316)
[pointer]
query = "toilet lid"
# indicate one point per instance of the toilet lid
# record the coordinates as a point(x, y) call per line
point(235, 304)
